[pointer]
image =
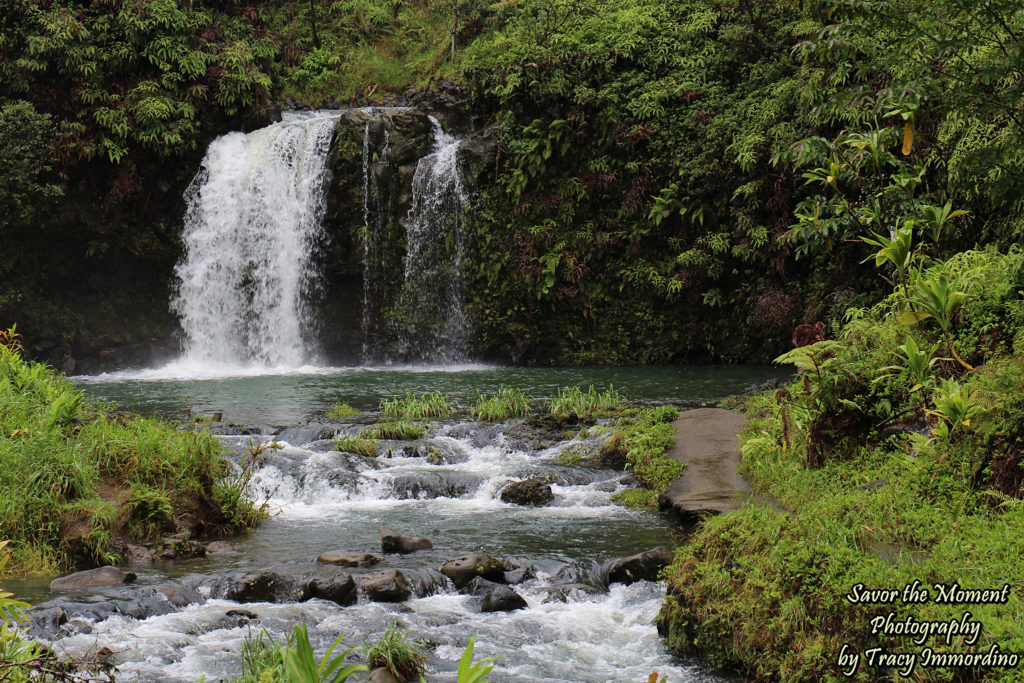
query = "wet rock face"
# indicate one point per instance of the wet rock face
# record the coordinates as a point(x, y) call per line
point(92, 578)
point(535, 492)
point(393, 542)
point(462, 570)
point(340, 588)
point(389, 585)
point(266, 587)
point(494, 597)
point(347, 558)
point(643, 566)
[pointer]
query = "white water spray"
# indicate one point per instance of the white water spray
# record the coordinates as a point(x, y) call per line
point(254, 220)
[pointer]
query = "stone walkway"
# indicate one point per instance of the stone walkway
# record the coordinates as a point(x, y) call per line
point(706, 442)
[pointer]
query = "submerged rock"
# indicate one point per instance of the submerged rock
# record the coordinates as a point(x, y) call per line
point(347, 558)
point(92, 578)
point(393, 542)
point(643, 566)
point(220, 547)
point(389, 585)
point(535, 492)
point(462, 570)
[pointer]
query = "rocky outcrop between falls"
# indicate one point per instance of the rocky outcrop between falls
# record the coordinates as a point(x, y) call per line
point(535, 492)
point(393, 542)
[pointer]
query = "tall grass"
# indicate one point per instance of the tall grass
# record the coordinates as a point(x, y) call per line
point(395, 430)
point(339, 411)
point(422, 407)
point(508, 402)
point(397, 653)
point(572, 400)
point(352, 444)
point(72, 478)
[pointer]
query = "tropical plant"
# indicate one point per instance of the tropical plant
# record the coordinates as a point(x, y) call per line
point(936, 298)
point(508, 402)
point(300, 664)
point(568, 400)
point(468, 672)
point(432, 405)
point(398, 430)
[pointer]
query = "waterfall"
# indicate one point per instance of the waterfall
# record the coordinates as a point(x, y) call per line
point(435, 327)
point(252, 227)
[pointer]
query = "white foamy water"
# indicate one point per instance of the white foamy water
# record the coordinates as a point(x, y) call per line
point(252, 227)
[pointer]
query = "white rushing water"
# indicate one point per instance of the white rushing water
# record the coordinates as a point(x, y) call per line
point(432, 294)
point(574, 627)
point(253, 223)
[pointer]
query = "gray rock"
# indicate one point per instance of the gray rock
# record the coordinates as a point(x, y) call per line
point(389, 585)
point(462, 570)
point(220, 547)
point(340, 588)
point(535, 492)
point(347, 558)
point(381, 676)
point(643, 566)
point(393, 542)
point(265, 587)
point(92, 578)
point(494, 596)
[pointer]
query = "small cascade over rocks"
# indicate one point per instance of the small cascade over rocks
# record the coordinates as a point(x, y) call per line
point(435, 326)
point(252, 230)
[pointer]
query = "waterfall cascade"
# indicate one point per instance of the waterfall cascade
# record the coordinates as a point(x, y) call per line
point(252, 228)
point(435, 327)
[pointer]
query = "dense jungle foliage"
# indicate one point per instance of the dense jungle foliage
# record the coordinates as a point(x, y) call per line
point(673, 181)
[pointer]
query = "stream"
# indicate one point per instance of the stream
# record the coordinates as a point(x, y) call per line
point(576, 627)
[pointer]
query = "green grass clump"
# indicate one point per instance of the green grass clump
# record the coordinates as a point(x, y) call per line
point(572, 400)
point(641, 439)
point(422, 407)
point(397, 430)
point(73, 479)
point(508, 402)
point(339, 411)
point(261, 659)
point(357, 445)
point(397, 653)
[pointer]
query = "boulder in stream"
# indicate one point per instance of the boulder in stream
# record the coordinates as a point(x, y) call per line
point(393, 542)
point(92, 578)
point(640, 567)
point(340, 588)
point(464, 569)
point(348, 558)
point(266, 587)
point(535, 492)
point(389, 585)
point(494, 597)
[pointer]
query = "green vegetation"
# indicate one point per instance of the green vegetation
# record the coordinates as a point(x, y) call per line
point(358, 445)
point(569, 400)
point(75, 477)
point(640, 439)
point(339, 411)
point(403, 657)
point(397, 430)
point(508, 402)
point(420, 407)
point(468, 672)
point(896, 464)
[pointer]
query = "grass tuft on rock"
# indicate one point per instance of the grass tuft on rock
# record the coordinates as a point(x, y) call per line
point(421, 407)
point(396, 430)
point(353, 444)
point(572, 400)
point(339, 411)
point(508, 402)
